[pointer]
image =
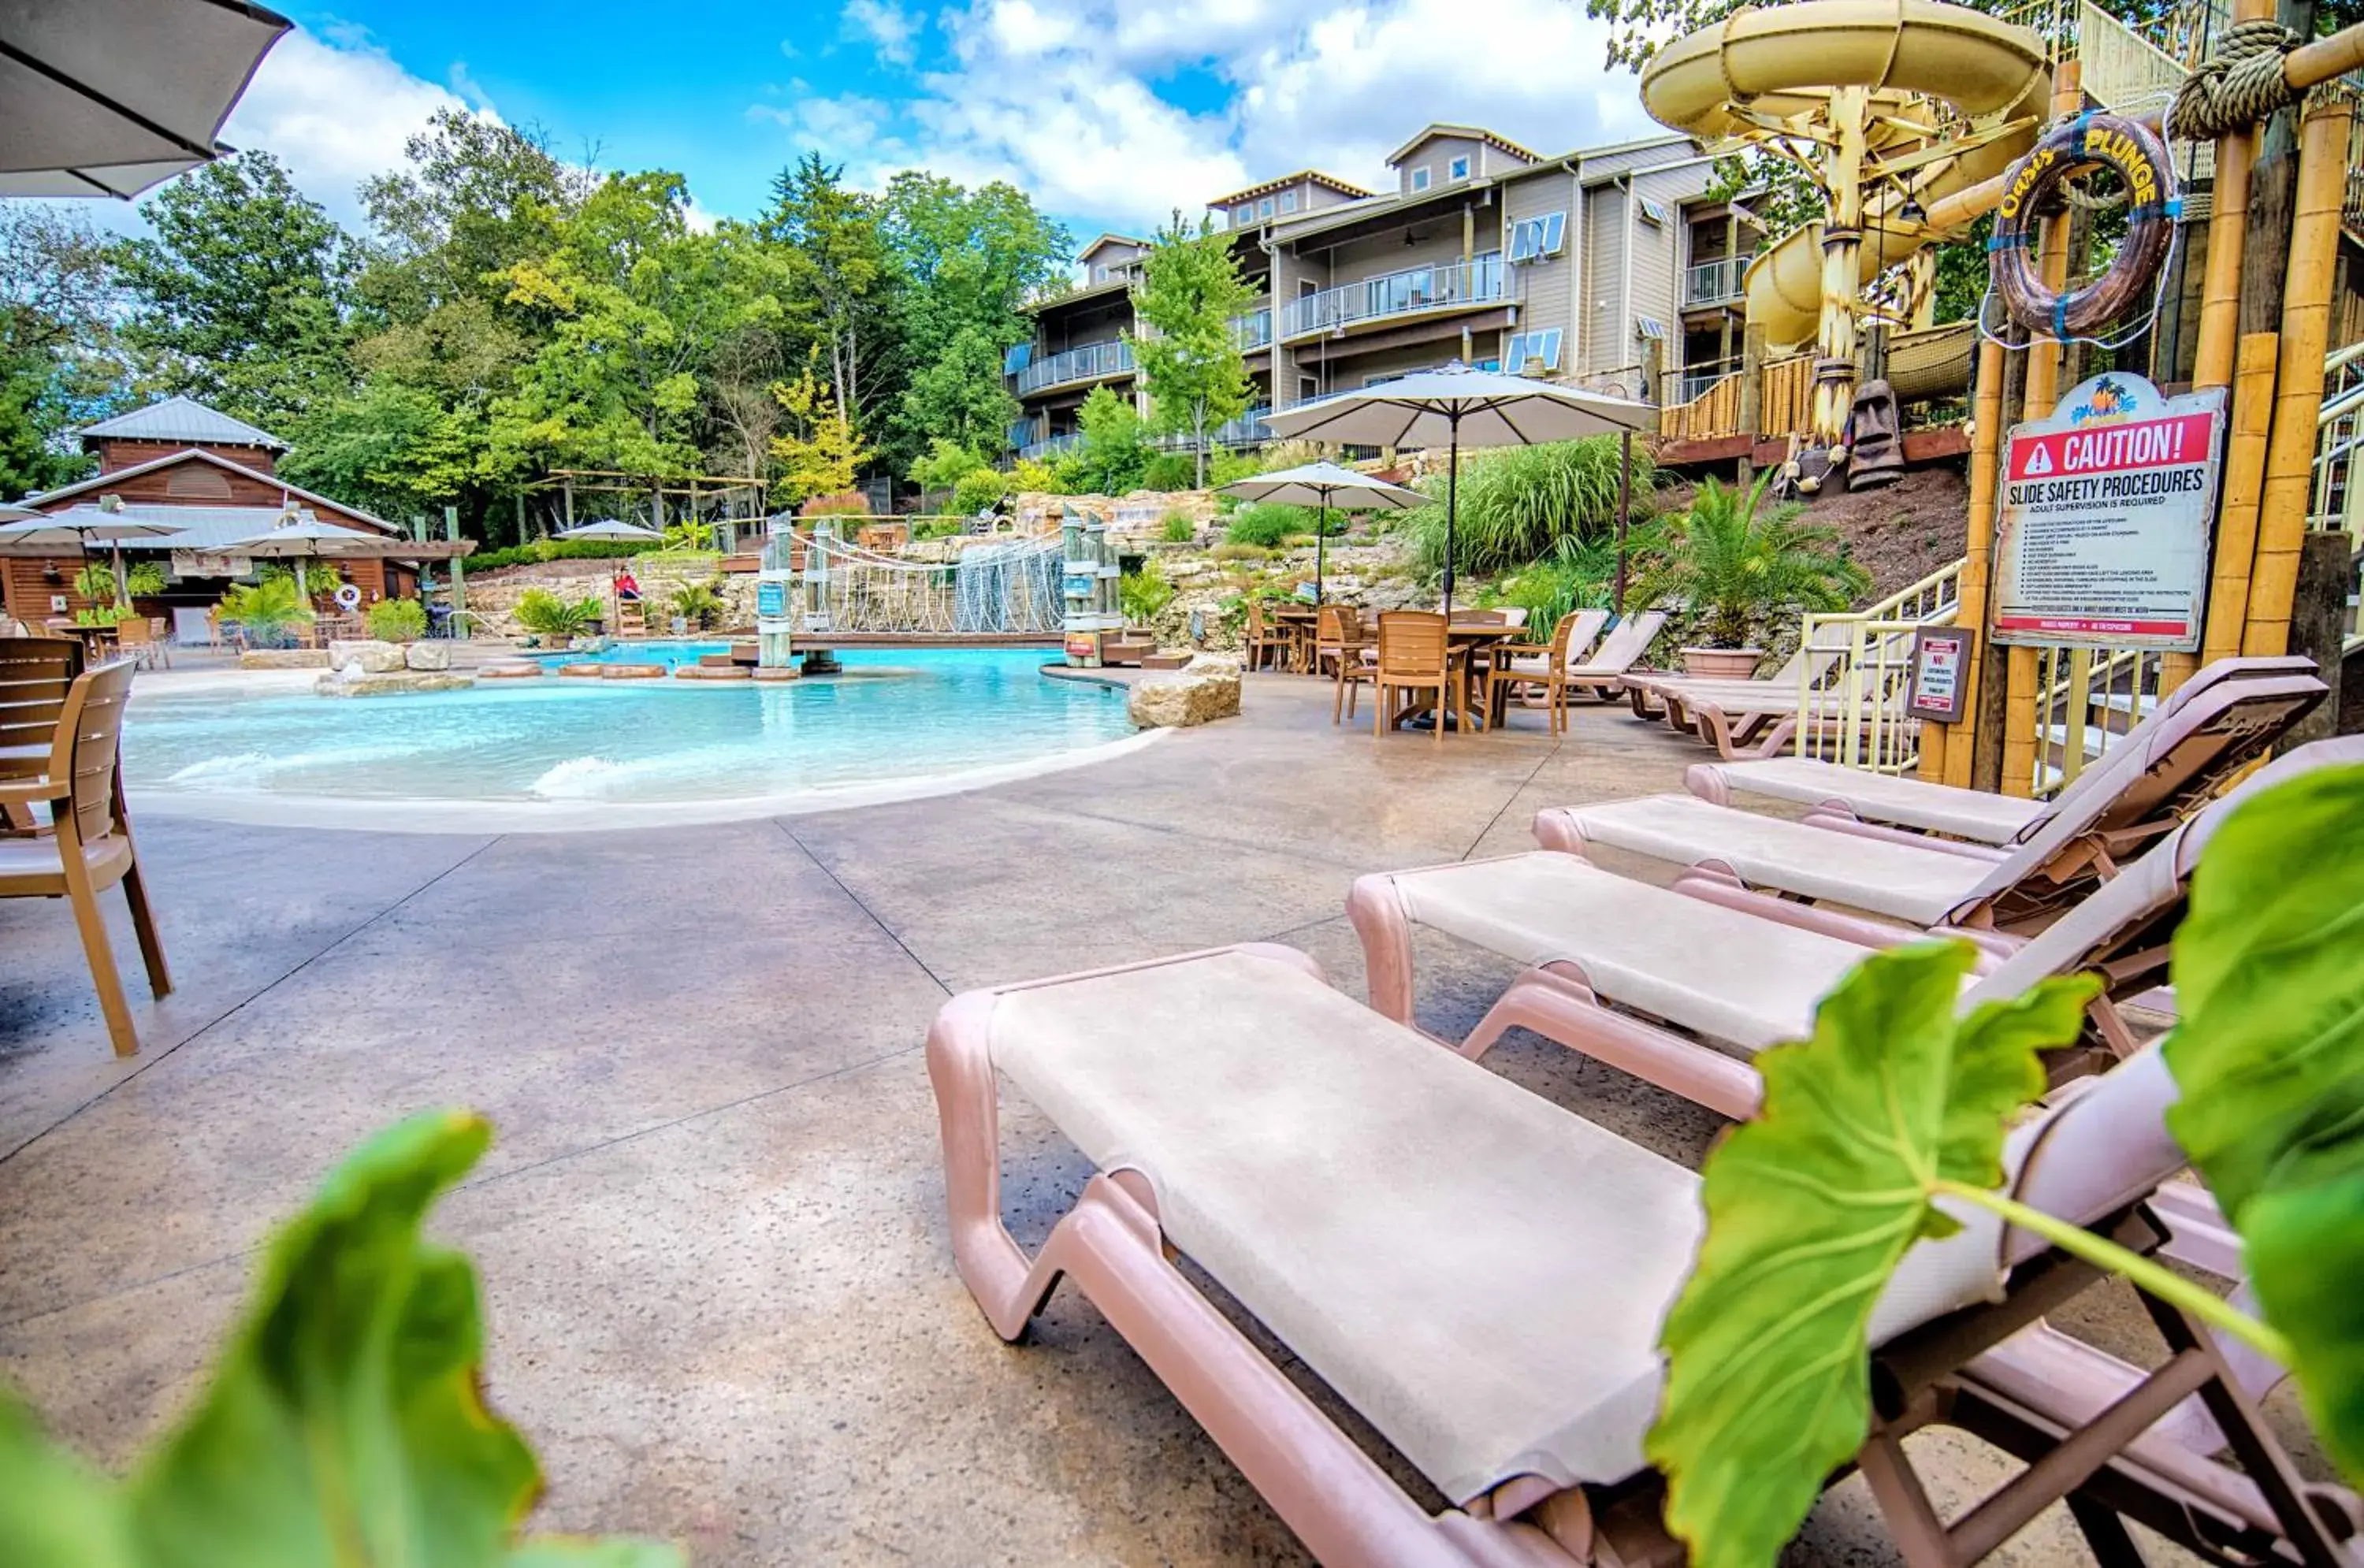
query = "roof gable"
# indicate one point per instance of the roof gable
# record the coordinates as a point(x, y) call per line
point(1105, 240)
point(1301, 177)
point(108, 481)
point(1464, 132)
point(182, 419)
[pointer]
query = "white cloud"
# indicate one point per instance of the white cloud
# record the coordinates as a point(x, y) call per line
point(1061, 97)
point(885, 26)
point(337, 113)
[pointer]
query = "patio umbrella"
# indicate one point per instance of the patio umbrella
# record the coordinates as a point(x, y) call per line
point(301, 538)
point(1460, 407)
point(609, 529)
point(107, 97)
point(1324, 484)
point(35, 533)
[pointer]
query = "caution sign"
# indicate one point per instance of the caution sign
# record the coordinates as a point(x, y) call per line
point(2104, 536)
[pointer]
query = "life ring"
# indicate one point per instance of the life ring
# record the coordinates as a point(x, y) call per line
point(348, 596)
point(2092, 140)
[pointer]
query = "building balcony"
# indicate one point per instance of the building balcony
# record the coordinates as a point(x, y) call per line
point(1248, 430)
point(1713, 282)
point(1415, 291)
point(1253, 331)
point(1052, 446)
point(1093, 362)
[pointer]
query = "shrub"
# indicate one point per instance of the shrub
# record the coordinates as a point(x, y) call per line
point(978, 490)
point(1032, 474)
point(1581, 574)
point(1518, 503)
point(544, 614)
point(697, 603)
point(947, 462)
point(540, 550)
point(836, 504)
point(397, 620)
point(1144, 593)
point(267, 610)
point(1228, 551)
point(1738, 568)
point(1170, 470)
point(1268, 524)
point(1179, 529)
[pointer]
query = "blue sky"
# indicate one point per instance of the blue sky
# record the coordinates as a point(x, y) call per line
point(1108, 113)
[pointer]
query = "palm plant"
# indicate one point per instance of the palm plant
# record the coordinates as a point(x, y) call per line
point(266, 609)
point(1518, 503)
point(544, 614)
point(697, 603)
point(1737, 567)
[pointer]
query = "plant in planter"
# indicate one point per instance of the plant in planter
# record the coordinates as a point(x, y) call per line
point(344, 1421)
point(695, 605)
point(1740, 567)
point(267, 610)
point(546, 615)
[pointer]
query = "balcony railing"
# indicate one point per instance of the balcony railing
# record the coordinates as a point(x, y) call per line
point(1052, 446)
point(1087, 363)
point(1253, 331)
point(1407, 293)
point(1248, 430)
point(1712, 283)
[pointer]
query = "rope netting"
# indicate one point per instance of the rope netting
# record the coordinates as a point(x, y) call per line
point(1002, 588)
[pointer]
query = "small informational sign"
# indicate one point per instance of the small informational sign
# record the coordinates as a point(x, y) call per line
point(2102, 541)
point(207, 563)
point(1083, 649)
point(1940, 655)
point(772, 599)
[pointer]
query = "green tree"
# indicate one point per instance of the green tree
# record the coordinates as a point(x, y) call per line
point(238, 298)
point(634, 302)
point(477, 198)
point(1114, 454)
point(1190, 362)
point(959, 393)
point(58, 368)
point(843, 278)
point(820, 452)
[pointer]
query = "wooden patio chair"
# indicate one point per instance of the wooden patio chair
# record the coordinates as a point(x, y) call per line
point(35, 674)
point(1267, 645)
point(1519, 665)
point(90, 848)
point(142, 642)
point(1415, 655)
point(1339, 637)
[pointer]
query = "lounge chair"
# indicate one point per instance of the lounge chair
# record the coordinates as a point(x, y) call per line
point(1759, 717)
point(1517, 666)
point(1963, 887)
point(1603, 674)
point(1870, 802)
point(90, 848)
point(1478, 1273)
point(1680, 991)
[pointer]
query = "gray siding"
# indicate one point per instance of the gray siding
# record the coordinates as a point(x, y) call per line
point(1437, 154)
point(1438, 244)
point(1545, 289)
point(1605, 328)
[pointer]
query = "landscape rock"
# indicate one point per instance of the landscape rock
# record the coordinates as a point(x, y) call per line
point(350, 684)
point(1207, 688)
point(511, 669)
point(283, 659)
point(370, 657)
point(427, 656)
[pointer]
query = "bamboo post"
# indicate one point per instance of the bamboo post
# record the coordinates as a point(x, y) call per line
point(1953, 755)
point(2044, 357)
point(2280, 527)
point(1835, 344)
point(2245, 474)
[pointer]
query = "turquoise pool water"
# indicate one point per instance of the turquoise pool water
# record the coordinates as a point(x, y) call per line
point(672, 654)
point(896, 715)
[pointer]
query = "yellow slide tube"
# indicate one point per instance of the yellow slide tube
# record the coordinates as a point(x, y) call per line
point(1779, 61)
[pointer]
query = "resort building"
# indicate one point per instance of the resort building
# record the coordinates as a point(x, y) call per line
point(211, 477)
point(1612, 268)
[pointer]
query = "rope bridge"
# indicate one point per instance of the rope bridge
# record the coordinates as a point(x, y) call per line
point(1012, 586)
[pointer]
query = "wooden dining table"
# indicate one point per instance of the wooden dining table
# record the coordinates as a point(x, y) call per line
point(1298, 620)
point(1472, 641)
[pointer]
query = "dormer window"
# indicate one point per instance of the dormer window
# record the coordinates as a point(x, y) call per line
point(1244, 214)
point(1458, 169)
point(1420, 178)
point(1288, 201)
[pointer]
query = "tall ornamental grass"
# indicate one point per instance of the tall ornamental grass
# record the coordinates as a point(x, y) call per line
point(1518, 503)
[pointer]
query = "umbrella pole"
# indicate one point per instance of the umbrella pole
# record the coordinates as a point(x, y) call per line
point(122, 578)
point(1624, 516)
point(1452, 502)
point(1320, 529)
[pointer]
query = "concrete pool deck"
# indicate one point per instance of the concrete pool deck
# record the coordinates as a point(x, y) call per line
point(711, 1231)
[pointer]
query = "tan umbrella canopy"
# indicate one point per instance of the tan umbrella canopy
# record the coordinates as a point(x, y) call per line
point(35, 533)
point(302, 538)
point(1324, 484)
point(1457, 406)
point(107, 97)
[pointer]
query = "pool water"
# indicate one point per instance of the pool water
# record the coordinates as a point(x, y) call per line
point(896, 714)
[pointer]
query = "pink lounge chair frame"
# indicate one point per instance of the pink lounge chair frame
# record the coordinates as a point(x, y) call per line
point(1349, 1513)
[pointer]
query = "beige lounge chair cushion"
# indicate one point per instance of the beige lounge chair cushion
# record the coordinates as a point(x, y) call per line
point(1735, 978)
point(1479, 1273)
point(1933, 808)
point(1897, 880)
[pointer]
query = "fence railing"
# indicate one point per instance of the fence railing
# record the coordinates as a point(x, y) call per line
point(1248, 430)
point(1086, 363)
point(1712, 283)
point(1851, 699)
point(1704, 414)
point(1254, 329)
point(2087, 698)
point(1406, 292)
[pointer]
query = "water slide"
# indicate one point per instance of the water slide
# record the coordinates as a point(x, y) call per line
point(1782, 62)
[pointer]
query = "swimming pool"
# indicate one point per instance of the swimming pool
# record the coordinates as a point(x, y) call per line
point(579, 754)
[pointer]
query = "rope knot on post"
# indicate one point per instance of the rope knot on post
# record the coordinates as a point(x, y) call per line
point(2239, 84)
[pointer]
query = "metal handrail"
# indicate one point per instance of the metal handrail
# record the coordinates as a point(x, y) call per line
point(1408, 292)
point(1086, 363)
point(1712, 283)
point(1851, 713)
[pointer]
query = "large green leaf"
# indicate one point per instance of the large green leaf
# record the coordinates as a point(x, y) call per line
point(1809, 1208)
point(2269, 1056)
point(343, 1424)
